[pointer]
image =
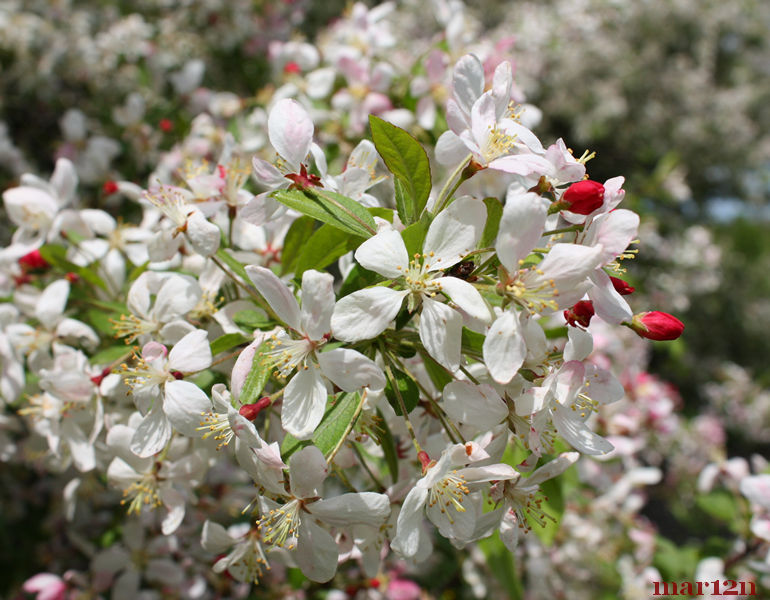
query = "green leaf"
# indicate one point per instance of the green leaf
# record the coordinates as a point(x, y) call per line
point(674, 562)
point(385, 440)
point(494, 212)
point(382, 212)
point(55, 255)
point(329, 207)
point(257, 377)
point(109, 355)
point(299, 232)
point(552, 506)
point(407, 160)
point(472, 342)
point(501, 562)
point(102, 321)
point(325, 246)
point(357, 279)
point(226, 342)
point(235, 266)
point(252, 319)
point(408, 389)
point(414, 235)
point(438, 374)
point(719, 504)
point(335, 425)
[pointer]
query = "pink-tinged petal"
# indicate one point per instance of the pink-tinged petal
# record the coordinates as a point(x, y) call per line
point(366, 313)
point(504, 347)
point(153, 432)
point(290, 130)
point(267, 174)
point(243, 365)
point(757, 489)
point(482, 122)
point(384, 253)
point(524, 136)
point(468, 81)
point(308, 470)
point(366, 508)
point(455, 232)
point(261, 209)
point(613, 193)
point(489, 473)
point(521, 226)
point(509, 530)
point(51, 303)
point(440, 332)
point(204, 236)
point(350, 370)
point(215, 538)
point(450, 149)
point(603, 386)
point(409, 524)
point(521, 164)
point(319, 158)
point(467, 297)
point(479, 406)
point(502, 82)
point(577, 434)
point(316, 553)
point(608, 304)
point(304, 402)
point(192, 353)
point(317, 304)
point(183, 403)
point(277, 295)
point(174, 501)
point(613, 231)
point(532, 401)
point(569, 381)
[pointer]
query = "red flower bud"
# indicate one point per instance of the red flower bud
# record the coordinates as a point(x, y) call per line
point(583, 197)
point(656, 325)
point(33, 260)
point(109, 187)
point(291, 67)
point(250, 411)
point(580, 314)
point(72, 277)
point(177, 374)
point(622, 287)
point(165, 125)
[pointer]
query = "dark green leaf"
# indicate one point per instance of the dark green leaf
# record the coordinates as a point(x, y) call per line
point(329, 207)
point(408, 389)
point(226, 342)
point(388, 444)
point(472, 342)
point(414, 235)
point(438, 374)
point(494, 212)
point(325, 246)
point(299, 232)
point(407, 160)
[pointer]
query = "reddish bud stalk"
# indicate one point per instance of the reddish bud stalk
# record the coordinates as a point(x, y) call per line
point(656, 325)
point(583, 197)
point(250, 411)
point(303, 180)
point(622, 287)
point(424, 459)
point(580, 314)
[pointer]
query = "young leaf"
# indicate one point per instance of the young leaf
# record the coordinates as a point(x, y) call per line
point(325, 246)
point(252, 319)
point(407, 160)
point(329, 207)
point(257, 377)
point(357, 279)
point(299, 232)
point(494, 212)
point(226, 342)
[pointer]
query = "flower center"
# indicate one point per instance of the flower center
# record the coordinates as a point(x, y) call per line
point(132, 327)
point(286, 354)
point(532, 290)
point(280, 524)
point(141, 493)
point(449, 492)
point(218, 426)
point(171, 203)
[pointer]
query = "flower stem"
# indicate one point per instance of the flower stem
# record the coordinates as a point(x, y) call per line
point(446, 192)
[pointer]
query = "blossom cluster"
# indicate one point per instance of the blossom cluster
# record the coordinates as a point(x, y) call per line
point(333, 346)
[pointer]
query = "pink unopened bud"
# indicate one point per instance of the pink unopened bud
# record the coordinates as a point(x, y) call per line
point(250, 411)
point(583, 197)
point(33, 260)
point(657, 325)
point(622, 287)
point(424, 459)
point(580, 314)
point(177, 374)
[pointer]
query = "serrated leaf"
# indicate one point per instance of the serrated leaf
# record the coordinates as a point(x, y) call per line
point(338, 421)
point(226, 342)
point(407, 160)
point(252, 319)
point(234, 265)
point(329, 207)
point(494, 213)
point(109, 355)
point(257, 377)
point(408, 389)
point(299, 232)
point(326, 245)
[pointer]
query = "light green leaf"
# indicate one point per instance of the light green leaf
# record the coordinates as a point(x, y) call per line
point(299, 233)
point(257, 377)
point(494, 212)
point(329, 207)
point(55, 255)
point(252, 319)
point(235, 266)
point(325, 246)
point(226, 342)
point(109, 355)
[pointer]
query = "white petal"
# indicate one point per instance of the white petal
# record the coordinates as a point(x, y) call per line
point(366, 508)
point(577, 434)
point(467, 297)
point(267, 174)
point(316, 552)
point(409, 523)
point(215, 538)
point(521, 226)
point(277, 295)
point(175, 503)
point(384, 253)
point(183, 404)
point(177, 296)
point(504, 347)
point(317, 303)
point(351, 370)
point(455, 232)
point(608, 304)
point(479, 406)
point(203, 235)
point(366, 313)
point(440, 332)
point(613, 231)
point(153, 432)
point(192, 353)
point(569, 263)
point(290, 130)
point(304, 403)
point(308, 470)
point(51, 303)
point(579, 345)
point(468, 81)
point(450, 149)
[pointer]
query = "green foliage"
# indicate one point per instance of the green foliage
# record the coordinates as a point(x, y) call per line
point(326, 245)
point(407, 389)
point(299, 232)
point(329, 207)
point(257, 377)
point(226, 342)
